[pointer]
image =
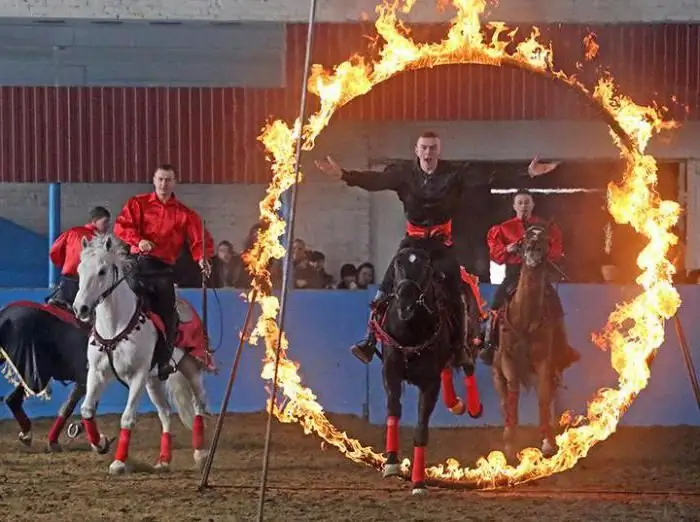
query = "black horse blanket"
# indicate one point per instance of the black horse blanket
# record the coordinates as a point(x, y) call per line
point(41, 342)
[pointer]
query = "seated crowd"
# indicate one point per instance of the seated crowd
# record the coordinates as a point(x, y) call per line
point(308, 269)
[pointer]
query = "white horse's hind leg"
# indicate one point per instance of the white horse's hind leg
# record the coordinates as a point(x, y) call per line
point(95, 385)
point(136, 386)
point(156, 392)
point(190, 369)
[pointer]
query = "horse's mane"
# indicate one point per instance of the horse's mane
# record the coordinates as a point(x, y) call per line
point(110, 245)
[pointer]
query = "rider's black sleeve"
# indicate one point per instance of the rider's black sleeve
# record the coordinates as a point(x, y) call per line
point(391, 178)
point(485, 173)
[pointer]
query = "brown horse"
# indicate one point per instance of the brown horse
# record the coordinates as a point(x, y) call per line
point(526, 340)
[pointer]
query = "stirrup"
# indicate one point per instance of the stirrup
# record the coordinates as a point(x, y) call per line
point(364, 351)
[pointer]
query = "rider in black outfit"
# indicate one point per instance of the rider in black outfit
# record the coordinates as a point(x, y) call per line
point(430, 191)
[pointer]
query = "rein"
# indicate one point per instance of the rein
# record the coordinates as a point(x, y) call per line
point(379, 317)
point(108, 345)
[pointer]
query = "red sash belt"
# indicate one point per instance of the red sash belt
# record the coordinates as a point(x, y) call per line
point(443, 230)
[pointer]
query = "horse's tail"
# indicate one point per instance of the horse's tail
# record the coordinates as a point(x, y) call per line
point(181, 394)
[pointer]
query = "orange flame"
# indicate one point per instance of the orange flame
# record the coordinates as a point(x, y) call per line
point(591, 46)
point(633, 201)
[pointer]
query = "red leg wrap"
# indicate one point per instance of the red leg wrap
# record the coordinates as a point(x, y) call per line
point(418, 472)
point(91, 432)
point(166, 451)
point(56, 428)
point(473, 399)
point(448, 389)
point(123, 447)
point(392, 434)
point(198, 432)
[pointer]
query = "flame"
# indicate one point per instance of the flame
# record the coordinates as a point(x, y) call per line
point(632, 201)
point(591, 46)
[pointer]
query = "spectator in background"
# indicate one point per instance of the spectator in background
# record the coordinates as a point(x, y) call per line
point(365, 275)
point(275, 266)
point(65, 252)
point(317, 261)
point(227, 267)
point(348, 277)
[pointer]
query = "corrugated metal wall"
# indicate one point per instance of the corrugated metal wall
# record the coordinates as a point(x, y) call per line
point(119, 134)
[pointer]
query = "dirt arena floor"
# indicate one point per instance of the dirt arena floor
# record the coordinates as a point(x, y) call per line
point(639, 474)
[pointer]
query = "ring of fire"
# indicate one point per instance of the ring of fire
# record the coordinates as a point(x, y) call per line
point(632, 201)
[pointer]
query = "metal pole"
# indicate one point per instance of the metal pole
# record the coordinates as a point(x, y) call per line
point(54, 226)
point(687, 359)
point(287, 259)
point(205, 278)
point(227, 395)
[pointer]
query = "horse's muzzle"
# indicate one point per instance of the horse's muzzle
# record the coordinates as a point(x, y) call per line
point(83, 312)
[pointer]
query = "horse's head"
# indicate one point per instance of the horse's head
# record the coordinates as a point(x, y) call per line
point(101, 269)
point(413, 274)
point(535, 245)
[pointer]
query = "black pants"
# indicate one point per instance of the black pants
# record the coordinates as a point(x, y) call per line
point(67, 289)
point(444, 261)
point(155, 281)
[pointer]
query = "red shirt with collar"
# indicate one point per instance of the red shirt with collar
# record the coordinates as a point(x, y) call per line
point(500, 236)
point(166, 225)
point(65, 251)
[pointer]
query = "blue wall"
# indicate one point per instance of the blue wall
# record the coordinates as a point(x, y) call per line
point(322, 325)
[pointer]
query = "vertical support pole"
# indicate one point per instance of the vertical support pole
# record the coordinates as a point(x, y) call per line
point(54, 226)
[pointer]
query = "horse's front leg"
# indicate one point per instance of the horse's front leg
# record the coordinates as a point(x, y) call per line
point(508, 387)
point(64, 412)
point(136, 386)
point(156, 391)
point(543, 370)
point(14, 402)
point(392, 387)
point(95, 385)
point(426, 405)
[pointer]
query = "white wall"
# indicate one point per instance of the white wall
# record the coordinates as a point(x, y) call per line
point(586, 11)
point(348, 224)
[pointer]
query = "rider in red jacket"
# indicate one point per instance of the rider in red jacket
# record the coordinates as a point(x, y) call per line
point(504, 241)
point(156, 225)
point(65, 252)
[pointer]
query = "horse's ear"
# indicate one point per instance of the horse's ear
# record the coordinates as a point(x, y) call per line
point(108, 244)
point(84, 242)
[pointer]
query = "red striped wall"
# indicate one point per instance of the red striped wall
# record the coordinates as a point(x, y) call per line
point(118, 134)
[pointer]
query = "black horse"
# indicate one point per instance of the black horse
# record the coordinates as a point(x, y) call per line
point(416, 329)
point(38, 343)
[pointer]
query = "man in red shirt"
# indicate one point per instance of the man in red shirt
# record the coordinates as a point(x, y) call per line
point(155, 227)
point(65, 252)
point(504, 241)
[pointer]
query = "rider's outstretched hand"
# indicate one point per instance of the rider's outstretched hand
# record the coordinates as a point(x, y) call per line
point(538, 169)
point(329, 168)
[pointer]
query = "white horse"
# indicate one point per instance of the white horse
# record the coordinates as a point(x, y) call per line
point(121, 346)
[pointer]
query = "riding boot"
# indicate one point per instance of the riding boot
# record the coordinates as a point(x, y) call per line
point(490, 339)
point(462, 356)
point(364, 350)
point(165, 368)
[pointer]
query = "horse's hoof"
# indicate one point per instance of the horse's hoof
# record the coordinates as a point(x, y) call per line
point(55, 447)
point(200, 458)
point(391, 470)
point(117, 468)
point(478, 413)
point(25, 438)
point(162, 467)
point(459, 408)
point(549, 449)
point(102, 447)
point(419, 491)
point(74, 430)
